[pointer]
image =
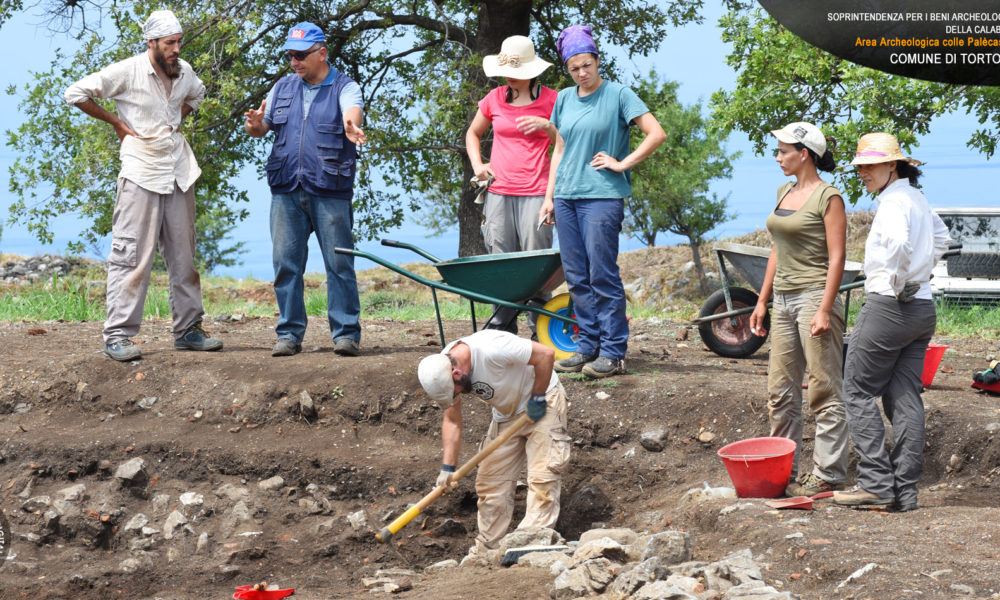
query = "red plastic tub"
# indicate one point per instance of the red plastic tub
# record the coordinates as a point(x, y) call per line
point(932, 360)
point(759, 467)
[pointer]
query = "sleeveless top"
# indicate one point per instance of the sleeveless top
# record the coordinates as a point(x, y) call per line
point(800, 241)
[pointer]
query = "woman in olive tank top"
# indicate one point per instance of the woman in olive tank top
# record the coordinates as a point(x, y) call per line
point(809, 230)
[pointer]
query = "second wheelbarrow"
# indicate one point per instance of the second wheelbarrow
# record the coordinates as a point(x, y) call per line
point(511, 280)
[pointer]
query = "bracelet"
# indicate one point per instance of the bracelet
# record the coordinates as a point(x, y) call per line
point(448, 468)
point(538, 397)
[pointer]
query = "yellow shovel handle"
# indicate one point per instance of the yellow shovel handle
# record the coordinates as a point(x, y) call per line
point(386, 533)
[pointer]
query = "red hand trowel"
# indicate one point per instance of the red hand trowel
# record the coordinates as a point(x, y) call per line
point(801, 502)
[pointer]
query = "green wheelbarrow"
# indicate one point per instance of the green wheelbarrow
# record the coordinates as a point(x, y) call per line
point(509, 280)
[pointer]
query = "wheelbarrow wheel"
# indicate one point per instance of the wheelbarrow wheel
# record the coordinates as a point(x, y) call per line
point(731, 336)
point(555, 333)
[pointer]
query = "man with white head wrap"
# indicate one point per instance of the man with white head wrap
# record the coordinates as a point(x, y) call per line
point(152, 93)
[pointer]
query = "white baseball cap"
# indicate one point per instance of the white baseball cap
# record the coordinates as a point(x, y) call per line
point(803, 133)
point(434, 373)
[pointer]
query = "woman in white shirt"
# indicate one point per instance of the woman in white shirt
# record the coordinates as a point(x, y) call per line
point(886, 352)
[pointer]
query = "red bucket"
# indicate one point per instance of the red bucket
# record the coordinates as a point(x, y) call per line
point(759, 467)
point(932, 359)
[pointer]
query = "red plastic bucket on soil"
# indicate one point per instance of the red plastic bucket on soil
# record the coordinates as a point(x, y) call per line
point(932, 359)
point(759, 467)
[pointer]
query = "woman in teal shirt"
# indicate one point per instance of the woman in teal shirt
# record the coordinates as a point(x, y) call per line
point(588, 183)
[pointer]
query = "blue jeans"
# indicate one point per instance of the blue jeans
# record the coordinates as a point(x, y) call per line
point(588, 241)
point(293, 217)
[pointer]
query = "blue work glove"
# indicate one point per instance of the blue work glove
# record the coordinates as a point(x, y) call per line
point(535, 408)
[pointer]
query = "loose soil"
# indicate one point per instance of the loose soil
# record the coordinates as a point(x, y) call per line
point(70, 415)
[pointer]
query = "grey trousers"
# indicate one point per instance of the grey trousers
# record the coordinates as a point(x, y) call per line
point(143, 219)
point(792, 351)
point(511, 225)
point(885, 358)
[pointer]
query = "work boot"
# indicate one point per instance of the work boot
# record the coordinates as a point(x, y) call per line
point(858, 496)
point(195, 338)
point(286, 347)
point(346, 346)
point(573, 364)
point(122, 350)
point(604, 367)
point(906, 506)
point(810, 485)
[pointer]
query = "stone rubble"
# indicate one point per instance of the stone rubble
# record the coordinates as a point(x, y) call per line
point(36, 268)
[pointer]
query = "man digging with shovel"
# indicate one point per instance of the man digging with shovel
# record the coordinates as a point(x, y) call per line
point(514, 376)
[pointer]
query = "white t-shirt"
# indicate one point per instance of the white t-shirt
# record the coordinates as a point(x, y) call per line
point(500, 373)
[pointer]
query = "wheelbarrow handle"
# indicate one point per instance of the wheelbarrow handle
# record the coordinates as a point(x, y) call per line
point(390, 243)
point(387, 532)
point(339, 250)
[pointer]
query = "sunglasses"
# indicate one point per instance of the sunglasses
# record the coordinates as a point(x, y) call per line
point(299, 56)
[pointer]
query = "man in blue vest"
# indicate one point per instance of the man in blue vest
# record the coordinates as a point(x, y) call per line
point(315, 115)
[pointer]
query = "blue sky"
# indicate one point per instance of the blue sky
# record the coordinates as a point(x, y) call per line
point(693, 56)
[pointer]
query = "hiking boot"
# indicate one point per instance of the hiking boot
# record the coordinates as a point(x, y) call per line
point(122, 350)
point(286, 347)
point(906, 506)
point(604, 367)
point(573, 364)
point(857, 496)
point(346, 346)
point(195, 338)
point(810, 485)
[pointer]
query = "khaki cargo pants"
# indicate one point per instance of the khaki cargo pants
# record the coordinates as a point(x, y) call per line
point(142, 220)
point(543, 448)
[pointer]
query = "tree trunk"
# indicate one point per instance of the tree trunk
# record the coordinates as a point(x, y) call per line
point(498, 20)
point(696, 257)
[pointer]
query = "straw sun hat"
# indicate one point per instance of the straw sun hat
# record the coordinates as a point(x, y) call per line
point(516, 60)
point(875, 148)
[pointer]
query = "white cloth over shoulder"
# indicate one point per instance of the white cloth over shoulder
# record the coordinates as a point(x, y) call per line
point(158, 155)
point(905, 242)
point(160, 24)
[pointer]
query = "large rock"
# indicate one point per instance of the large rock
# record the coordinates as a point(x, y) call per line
point(662, 590)
point(641, 574)
point(757, 590)
point(671, 547)
point(132, 472)
point(530, 536)
point(73, 493)
point(622, 535)
point(173, 524)
point(543, 560)
point(137, 522)
point(274, 483)
point(604, 547)
point(741, 566)
point(654, 440)
point(570, 584)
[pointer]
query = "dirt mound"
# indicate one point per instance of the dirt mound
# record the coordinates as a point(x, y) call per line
point(241, 482)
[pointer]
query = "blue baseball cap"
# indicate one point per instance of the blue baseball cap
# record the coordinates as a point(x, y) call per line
point(303, 36)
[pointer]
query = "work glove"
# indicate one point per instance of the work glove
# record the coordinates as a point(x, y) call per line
point(444, 480)
point(910, 290)
point(989, 376)
point(535, 409)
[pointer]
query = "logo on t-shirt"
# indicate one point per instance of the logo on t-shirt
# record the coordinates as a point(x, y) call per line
point(483, 390)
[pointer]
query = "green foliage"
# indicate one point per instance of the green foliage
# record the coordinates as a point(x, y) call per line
point(418, 64)
point(782, 79)
point(670, 188)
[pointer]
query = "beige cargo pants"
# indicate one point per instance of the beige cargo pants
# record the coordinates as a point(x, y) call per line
point(543, 448)
point(142, 220)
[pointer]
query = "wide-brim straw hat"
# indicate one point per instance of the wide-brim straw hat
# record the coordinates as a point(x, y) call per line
point(875, 148)
point(516, 60)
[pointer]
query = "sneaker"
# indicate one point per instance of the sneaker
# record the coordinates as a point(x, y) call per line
point(195, 338)
point(810, 485)
point(573, 364)
point(857, 496)
point(604, 367)
point(122, 350)
point(286, 347)
point(346, 346)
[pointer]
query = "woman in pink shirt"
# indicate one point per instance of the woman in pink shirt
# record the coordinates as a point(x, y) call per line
point(519, 160)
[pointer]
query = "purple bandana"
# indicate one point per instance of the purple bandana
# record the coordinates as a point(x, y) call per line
point(574, 40)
